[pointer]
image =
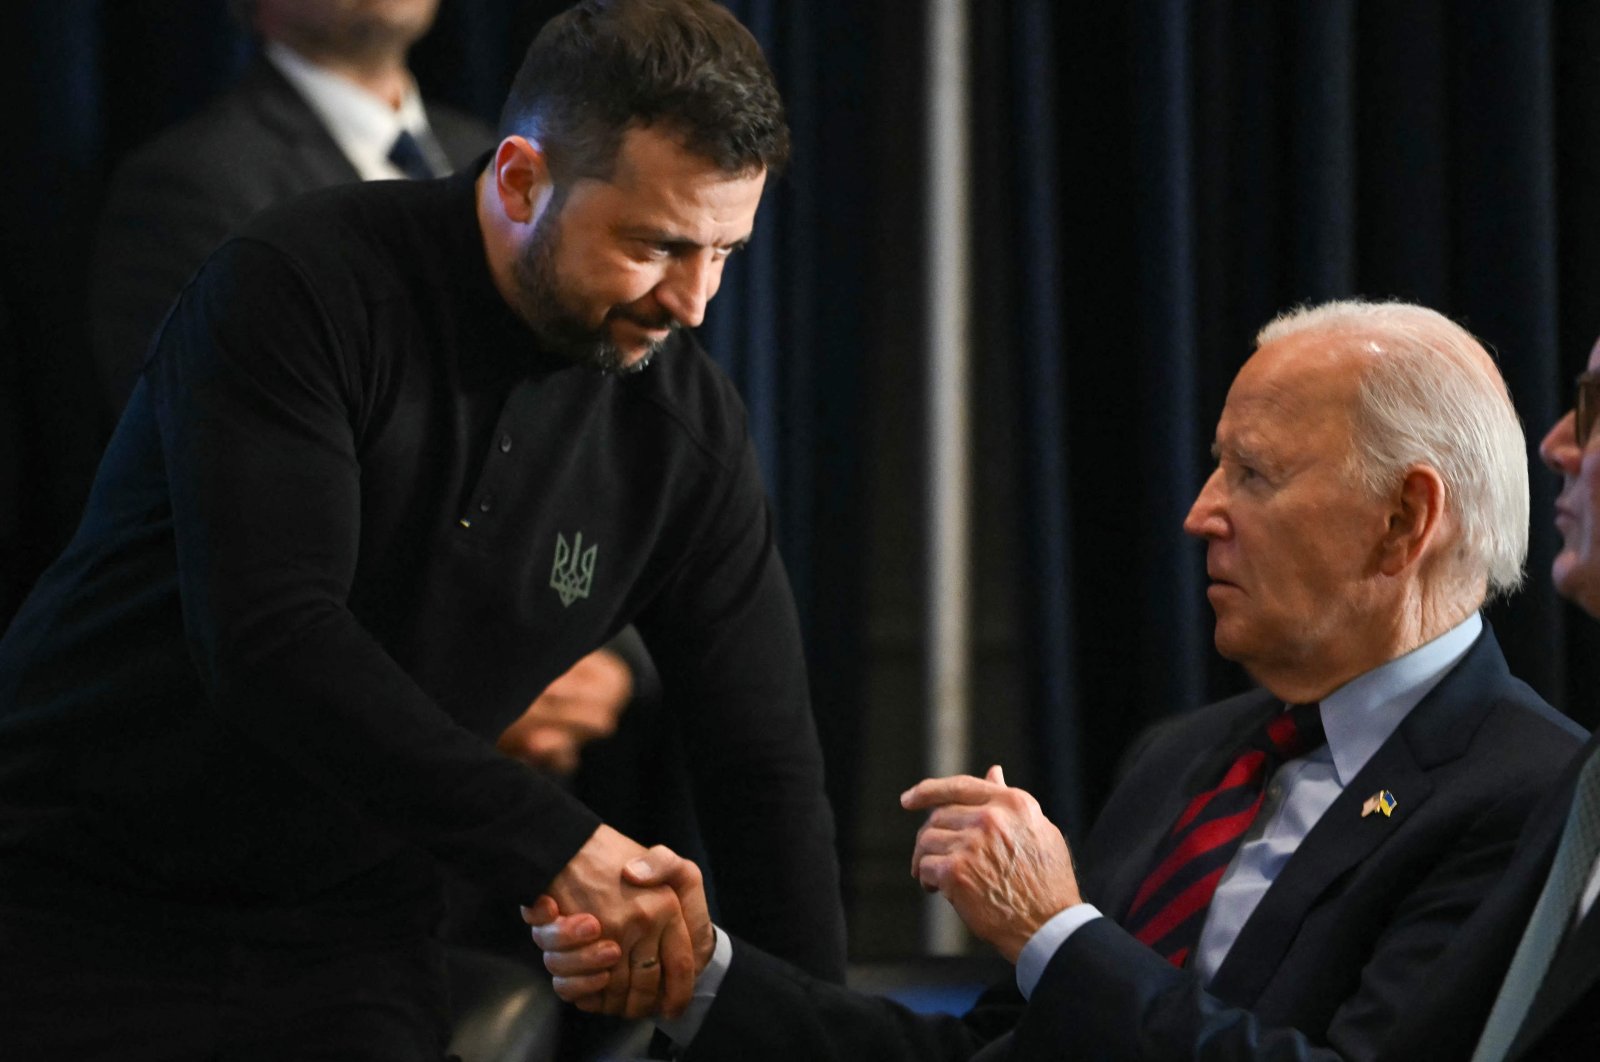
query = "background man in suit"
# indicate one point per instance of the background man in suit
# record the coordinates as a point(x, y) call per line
point(401, 453)
point(1370, 493)
point(328, 101)
point(1523, 981)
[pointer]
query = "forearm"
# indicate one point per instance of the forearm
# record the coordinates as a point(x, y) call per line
point(767, 1009)
point(254, 407)
point(1106, 995)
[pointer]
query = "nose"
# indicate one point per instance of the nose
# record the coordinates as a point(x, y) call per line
point(1559, 449)
point(1206, 519)
point(689, 286)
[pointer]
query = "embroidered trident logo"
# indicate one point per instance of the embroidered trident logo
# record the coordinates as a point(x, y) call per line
point(573, 572)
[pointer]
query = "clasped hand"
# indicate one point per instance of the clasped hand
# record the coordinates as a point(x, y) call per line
point(986, 846)
point(624, 930)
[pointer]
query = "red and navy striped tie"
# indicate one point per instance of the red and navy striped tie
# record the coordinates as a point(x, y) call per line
point(1170, 907)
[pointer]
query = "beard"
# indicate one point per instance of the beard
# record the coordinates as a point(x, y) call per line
point(547, 308)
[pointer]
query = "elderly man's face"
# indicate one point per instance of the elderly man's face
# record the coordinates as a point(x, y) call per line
point(1290, 538)
point(1577, 567)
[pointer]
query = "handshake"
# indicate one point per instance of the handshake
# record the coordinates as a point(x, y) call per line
point(632, 941)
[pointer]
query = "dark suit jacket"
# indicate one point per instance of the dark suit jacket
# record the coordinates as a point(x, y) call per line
point(1564, 1022)
point(1338, 947)
point(173, 200)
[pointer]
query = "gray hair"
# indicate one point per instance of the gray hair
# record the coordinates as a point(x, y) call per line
point(1431, 395)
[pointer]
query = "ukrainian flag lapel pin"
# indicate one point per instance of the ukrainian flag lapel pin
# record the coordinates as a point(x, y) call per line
point(1381, 801)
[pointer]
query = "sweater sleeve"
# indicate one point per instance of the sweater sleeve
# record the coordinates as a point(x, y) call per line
point(255, 397)
point(726, 640)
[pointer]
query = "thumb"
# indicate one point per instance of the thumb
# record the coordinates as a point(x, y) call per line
point(659, 866)
point(655, 867)
point(995, 775)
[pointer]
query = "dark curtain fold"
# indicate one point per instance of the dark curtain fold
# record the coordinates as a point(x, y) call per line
point(1215, 163)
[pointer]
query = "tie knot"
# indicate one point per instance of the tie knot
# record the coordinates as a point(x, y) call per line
point(1294, 733)
point(409, 157)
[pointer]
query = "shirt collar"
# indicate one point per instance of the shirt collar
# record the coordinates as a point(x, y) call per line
point(1359, 716)
point(363, 125)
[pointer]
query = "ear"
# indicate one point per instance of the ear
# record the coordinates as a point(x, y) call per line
point(1416, 514)
point(521, 179)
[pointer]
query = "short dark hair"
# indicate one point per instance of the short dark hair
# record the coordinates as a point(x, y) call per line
point(605, 66)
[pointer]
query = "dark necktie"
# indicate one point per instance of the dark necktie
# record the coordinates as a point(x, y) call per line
point(409, 158)
point(1170, 906)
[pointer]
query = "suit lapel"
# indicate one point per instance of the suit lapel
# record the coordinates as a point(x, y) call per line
point(1116, 893)
point(1571, 976)
point(1436, 731)
point(309, 149)
point(1342, 838)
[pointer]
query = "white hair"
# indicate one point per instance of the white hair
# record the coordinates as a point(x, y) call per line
point(1431, 395)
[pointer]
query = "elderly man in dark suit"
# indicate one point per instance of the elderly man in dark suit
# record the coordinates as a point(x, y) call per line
point(1295, 858)
point(330, 100)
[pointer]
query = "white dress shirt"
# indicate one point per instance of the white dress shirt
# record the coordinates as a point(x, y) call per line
point(363, 125)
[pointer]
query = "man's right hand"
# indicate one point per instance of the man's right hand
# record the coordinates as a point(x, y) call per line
point(657, 962)
point(576, 949)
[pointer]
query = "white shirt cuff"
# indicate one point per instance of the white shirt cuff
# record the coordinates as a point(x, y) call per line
point(683, 1028)
point(1042, 946)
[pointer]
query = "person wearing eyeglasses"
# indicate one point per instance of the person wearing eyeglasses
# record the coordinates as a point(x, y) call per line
point(1523, 980)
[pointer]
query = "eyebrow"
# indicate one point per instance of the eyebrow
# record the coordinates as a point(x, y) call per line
point(671, 239)
point(1243, 454)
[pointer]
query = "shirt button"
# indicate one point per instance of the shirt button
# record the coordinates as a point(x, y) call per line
point(505, 442)
point(486, 503)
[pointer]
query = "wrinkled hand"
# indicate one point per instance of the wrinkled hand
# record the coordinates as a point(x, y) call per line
point(575, 709)
point(581, 960)
point(655, 963)
point(988, 848)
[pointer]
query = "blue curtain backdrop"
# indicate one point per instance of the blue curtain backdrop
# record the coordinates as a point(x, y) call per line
point(1155, 179)
point(1180, 171)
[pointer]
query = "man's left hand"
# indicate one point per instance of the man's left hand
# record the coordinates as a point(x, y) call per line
point(988, 848)
point(581, 706)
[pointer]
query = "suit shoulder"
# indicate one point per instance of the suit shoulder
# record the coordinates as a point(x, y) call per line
point(463, 136)
point(1520, 723)
point(210, 140)
point(1208, 719)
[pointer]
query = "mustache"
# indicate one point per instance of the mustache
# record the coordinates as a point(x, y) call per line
point(654, 321)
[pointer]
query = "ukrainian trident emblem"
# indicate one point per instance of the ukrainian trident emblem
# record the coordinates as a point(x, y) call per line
point(573, 572)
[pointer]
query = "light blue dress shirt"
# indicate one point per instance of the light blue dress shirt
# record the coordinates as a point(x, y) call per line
point(1358, 717)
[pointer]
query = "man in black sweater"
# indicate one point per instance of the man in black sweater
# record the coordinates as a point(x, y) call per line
point(402, 453)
